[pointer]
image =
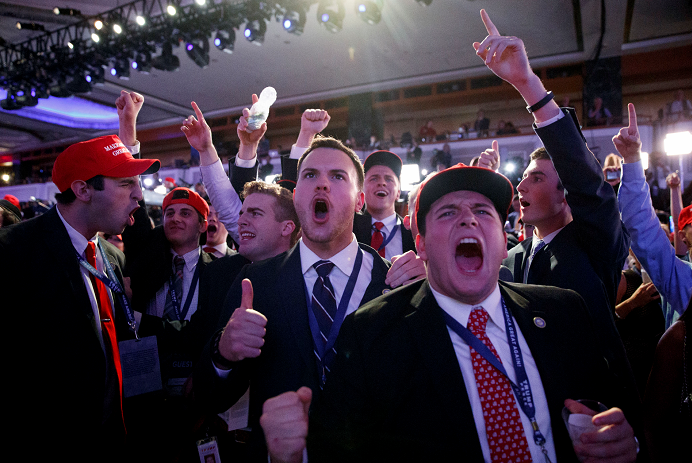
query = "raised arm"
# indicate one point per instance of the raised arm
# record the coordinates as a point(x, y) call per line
point(671, 276)
point(221, 193)
point(312, 122)
point(673, 181)
point(128, 104)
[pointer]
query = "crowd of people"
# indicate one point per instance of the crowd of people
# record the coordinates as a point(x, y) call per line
point(355, 333)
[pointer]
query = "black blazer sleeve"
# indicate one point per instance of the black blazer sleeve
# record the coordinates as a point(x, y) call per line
point(241, 175)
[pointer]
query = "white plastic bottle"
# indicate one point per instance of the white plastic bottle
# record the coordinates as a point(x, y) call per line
point(260, 110)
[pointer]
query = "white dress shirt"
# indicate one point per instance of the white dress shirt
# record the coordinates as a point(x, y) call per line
point(395, 247)
point(343, 261)
point(157, 305)
point(498, 336)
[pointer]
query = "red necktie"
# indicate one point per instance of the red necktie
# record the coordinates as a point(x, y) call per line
point(504, 430)
point(209, 249)
point(107, 322)
point(377, 238)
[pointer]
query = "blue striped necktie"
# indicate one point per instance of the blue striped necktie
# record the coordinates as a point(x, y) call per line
point(323, 298)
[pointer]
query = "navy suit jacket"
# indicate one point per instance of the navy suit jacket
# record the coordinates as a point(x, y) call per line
point(396, 391)
point(587, 255)
point(57, 369)
point(287, 361)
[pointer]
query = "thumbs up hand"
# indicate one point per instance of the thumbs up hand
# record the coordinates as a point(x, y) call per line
point(243, 336)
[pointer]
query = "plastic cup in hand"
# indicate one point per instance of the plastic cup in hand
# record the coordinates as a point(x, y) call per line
point(579, 423)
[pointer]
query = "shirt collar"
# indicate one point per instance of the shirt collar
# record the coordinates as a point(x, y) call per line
point(191, 257)
point(389, 222)
point(547, 238)
point(77, 239)
point(460, 311)
point(344, 259)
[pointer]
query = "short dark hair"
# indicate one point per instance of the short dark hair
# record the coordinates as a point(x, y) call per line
point(68, 196)
point(542, 154)
point(333, 143)
point(284, 209)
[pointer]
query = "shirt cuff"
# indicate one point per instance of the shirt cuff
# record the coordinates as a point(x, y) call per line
point(551, 120)
point(297, 152)
point(632, 171)
point(133, 149)
point(223, 374)
point(245, 162)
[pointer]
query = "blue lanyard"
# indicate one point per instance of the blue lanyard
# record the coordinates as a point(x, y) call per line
point(188, 300)
point(325, 352)
point(523, 390)
point(388, 238)
point(111, 281)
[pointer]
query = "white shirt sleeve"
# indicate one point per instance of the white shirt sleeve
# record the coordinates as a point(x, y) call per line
point(222, 196)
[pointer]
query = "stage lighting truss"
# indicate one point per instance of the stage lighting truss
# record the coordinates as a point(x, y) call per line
point(138, 28)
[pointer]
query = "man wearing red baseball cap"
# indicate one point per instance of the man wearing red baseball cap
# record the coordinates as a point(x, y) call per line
point(685, 229)
point(66, 385)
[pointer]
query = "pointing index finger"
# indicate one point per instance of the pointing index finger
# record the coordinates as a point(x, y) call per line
point(632, 129)
point(198, 112)
point(489, 26)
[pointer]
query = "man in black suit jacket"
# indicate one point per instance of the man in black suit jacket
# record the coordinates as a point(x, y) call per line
point(401, 388)
point(402, 360)
point(64, 385)
point(267, 341)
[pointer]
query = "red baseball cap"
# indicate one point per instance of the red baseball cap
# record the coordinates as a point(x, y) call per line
point(105, 156)
point(182, 195)
point(13, 199)
point(685, 217)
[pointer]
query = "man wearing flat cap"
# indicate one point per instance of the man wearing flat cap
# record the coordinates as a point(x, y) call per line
point(65, 380)
point(410, 379)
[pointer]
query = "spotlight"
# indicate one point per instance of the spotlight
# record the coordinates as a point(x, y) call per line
point(80, 84)
point(198, 51)
point(201, 2)
point(142, 63)
point(331, 14)
point(255, 30)
point(294, 21)
point(10, 103)
point(370, 11)
point(510, 168)
point(95, 37)
point(117, 29)
point(167, 61)
point(95, 76)
point(121, 69)
point(225, 40)
point(66, 11)
point(98, 24)
point(170, 9)
point(140, 20)
point(59, 89)
point(30, 26)
point(678, 143)
point(70, 45)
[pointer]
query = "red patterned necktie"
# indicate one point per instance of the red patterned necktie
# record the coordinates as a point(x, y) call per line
point(504, 430)
point(377, 238)
point(107, 322)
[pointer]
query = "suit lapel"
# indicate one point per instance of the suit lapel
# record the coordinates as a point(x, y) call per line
point(377, 287)
point(294, 304)
point(58, 243)
point(429, 331)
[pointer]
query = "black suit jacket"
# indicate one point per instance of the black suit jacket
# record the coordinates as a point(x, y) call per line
point(213, 288)
point(396, 391)
point(362, 228)
point(287, 360)
point(57, 368)
point(587, 255)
